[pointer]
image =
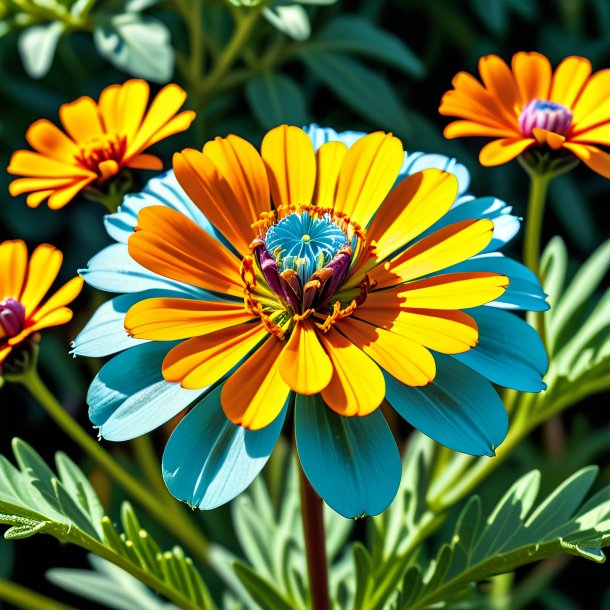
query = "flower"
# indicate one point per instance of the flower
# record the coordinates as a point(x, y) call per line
point(23, 285)
point(245, 309)
point(101, 139)
point(528, 106)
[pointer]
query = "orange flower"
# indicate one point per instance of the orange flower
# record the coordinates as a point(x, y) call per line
point(100, 139)
point(22, 288)
point(528, 106)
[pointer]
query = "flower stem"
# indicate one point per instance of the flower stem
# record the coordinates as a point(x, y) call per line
point(166, 510)
point(533, 227)
point(20, 597)
point(315, 544)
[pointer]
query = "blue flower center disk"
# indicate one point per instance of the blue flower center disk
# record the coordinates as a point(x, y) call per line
point(304, 243)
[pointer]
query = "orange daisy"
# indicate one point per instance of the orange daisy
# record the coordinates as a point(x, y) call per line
point(99, 140)
point(528, 106)
point(23, 285)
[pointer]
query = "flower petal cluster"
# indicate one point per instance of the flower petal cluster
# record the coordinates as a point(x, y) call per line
point(23, 286)
point(528, 106)
point(329, 273)
point(100, 139)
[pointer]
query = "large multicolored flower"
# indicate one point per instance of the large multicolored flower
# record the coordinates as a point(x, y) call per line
point(325, 280)
point(23, 285)
point(528, 106)
point(101, 138)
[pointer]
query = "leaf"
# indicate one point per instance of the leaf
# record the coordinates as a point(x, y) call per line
point(358, 36)
point(262, 591)
point(276, 99)
point(291, 20)
point(37, 45)
point(360, 88)
point(136, 44)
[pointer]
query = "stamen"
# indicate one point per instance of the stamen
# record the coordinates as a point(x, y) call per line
point(544, 114)
point(105, 147)
point(12, 318)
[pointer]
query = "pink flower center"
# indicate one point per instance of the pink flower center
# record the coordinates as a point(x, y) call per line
point(544, 115)
point(12, 318)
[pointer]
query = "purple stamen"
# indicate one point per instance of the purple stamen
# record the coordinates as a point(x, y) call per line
point(269, 268)
point(543, 114)
point(339, 266)
point(12, 318)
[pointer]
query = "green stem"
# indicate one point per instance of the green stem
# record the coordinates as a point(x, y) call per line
point(148, 461)
point(315, 545)
point(23, 598)
point(162, 507)
point(533, 224)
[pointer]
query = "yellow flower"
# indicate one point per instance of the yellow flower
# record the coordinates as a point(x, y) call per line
point(527, 106)
point(101, 138)
point(23, 285)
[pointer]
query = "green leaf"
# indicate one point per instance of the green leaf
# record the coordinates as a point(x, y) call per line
point(37, 45)
point(358, 36)
point(261, 590)
point(136, 44)
point(276, 99)
point(291, 20)
point(360, 88)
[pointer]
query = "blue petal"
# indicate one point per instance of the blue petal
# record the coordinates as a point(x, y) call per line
point(524, 290)
point(506, 226)
point(321, 135)
point(162, 190)
point(208, 460)
point(418, 161)
point(459, 409)
point(352, 462)
point(129, 396)
point(113, 270)
point(509, 353)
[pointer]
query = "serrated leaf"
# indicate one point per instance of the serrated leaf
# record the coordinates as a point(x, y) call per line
point(261, 590)
point(37, 45)
point(137, 44)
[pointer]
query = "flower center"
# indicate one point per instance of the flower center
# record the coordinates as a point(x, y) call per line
point(303, 254)
point(105, 147)
point(544, 114)
point(12, 318)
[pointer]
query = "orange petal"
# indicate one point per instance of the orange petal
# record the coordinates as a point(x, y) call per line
point(532, 72)
point(168, 319)
point(593, 105)
point(173, 246)
point(304, 365)
point(548, 138)
point(202, 361)
point(600, 134)
point(411, 208)
point(460, 129)
point(108, 169)
point(357, 386)
point(500, 84)
point(504, 150)
point(403, 358)
point(62, 197)
point(569, 80)
point(145, 162)
point(256, 393)
point(81, 119)
point(130, 106)
point(329, 160)
point(4, 352)
point(33, 200)
point(220, 200)
point(454, 290)
point(49, 140)
point(28, 163)
point(65, 295)
point(28, 185)
point(44, 266)
point(181, 122)
point(107, 105)
point(368, 173)
point(593, 157)
point(290, 160)
point(13, 266)
point(55, 317)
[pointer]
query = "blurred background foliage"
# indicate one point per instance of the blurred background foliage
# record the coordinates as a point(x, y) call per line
point(349, 64)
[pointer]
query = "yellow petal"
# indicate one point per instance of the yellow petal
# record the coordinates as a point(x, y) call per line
point(47, 139)
point(81, 119)
point(368, 173)
point(28, 163)
point(65, 295)
point(329, 161)
point(256, 393)
point(504, 150)
point(304, 365)
point(13, 266)
point(533, 75)
point(290, 159)
point(569, 79)
point(131, 102)
point(411, 208)
point(357, 386)
point(400, 356)
point(44, 266)
point(167, 319)
point(201, 361)
point(63, 196)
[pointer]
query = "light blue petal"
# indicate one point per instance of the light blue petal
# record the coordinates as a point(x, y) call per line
point(459, 409)
point(509, 353)
point(161, 190)
point(129, 396)
point(352, 462)
point(524, 290)
point(113, 270)
point(418, 161)
point(321, 135)
point(506, 226)
point(208, 460)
